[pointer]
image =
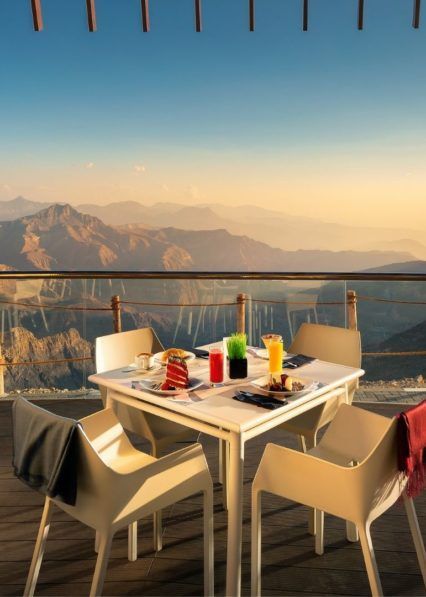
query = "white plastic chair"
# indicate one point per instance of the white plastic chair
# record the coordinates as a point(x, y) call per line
point(117, 485)
point(20, 292)
point(335, 345)
point(332, 344)
point(352, 474)
point(301, 302)
point(119, 350)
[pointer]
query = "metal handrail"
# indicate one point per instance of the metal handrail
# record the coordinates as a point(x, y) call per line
point(200, 275)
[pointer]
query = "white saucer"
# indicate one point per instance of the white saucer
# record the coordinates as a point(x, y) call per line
point(133, 367)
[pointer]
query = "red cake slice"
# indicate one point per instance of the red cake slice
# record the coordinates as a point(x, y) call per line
point(176, 374)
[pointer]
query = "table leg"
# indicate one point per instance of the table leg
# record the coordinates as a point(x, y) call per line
point(235, 515)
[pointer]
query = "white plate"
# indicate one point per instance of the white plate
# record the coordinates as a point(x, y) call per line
point(189, 356)
point(262, 353)
point(146, 384)
point(261, 382)
point(133, 368)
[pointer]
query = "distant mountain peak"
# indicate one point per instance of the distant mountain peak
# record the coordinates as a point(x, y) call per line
point(61, 214)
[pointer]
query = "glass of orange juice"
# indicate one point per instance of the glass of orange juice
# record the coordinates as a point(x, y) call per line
point(276, 353)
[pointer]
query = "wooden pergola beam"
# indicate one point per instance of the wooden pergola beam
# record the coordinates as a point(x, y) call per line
point(37, 15)
point(416, 14)
point(198, 23)
point(91, 15)
point(251, 15)
point(145, 16)
point(360, 15)
point(305, 15)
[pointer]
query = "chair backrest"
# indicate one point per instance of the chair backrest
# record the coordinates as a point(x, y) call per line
point(355, 432)
point(370, 441)
point(28, 289)
point(328, 343)
point(119, 350)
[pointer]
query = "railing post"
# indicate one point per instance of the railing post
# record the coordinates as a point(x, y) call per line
point(116, 313)
point(351, 302)
point(241, 313)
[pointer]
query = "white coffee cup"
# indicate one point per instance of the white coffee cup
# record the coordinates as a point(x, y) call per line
point(144, 360)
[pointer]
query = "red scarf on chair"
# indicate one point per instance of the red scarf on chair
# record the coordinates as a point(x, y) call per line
point(411, 445)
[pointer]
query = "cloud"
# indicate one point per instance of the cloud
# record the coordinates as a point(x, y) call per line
point(6, 187)
point(89, 165)
point(139, 168)
point(165, 188)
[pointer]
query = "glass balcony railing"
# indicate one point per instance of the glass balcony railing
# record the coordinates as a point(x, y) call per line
point(49, 322)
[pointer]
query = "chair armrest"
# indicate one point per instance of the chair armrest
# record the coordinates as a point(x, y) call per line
point(161, 482)
point(306, 479)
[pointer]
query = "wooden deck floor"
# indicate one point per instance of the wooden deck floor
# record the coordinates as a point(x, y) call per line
point(290, 566)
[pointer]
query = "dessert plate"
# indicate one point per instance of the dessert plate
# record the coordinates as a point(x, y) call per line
point(261, 384)
point(153, 385)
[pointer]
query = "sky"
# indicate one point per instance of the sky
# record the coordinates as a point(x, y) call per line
point(329, 123)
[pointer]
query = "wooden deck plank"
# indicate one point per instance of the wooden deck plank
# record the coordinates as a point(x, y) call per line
point(290, 566)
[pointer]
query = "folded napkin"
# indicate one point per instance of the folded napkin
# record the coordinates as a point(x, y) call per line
point(297, 361)
point(200, 353)
point(259, 400)
point(411, 447)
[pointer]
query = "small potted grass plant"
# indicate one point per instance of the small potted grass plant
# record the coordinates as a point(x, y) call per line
point(237, 356)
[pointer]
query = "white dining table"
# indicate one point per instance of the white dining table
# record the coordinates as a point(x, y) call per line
point(214, 411)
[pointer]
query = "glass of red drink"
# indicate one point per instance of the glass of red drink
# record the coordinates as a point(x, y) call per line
point(216, 366)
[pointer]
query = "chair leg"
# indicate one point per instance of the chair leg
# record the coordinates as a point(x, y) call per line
point(97, 541)
point(101, 564)
point(208, 543)
point(256, 543)
point(370, 561)
point(158, 534)
point(352, 534)
point(43, 314)
point(415, 532)
point(319, 535)
point(39, 548)
point(132, 542)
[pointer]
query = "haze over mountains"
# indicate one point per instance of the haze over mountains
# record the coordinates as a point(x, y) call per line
point(277, 229)
point(60, 237)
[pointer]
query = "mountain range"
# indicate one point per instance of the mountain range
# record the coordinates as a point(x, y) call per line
point(59, 237)
point(277, 229)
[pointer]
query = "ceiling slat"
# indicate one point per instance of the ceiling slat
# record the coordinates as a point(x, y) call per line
point(251, 14)
point(145, 15)
point(91, 15)
point(305, 15)
point(416, 14)
point(360, 14)
point(37, 15)
point(198, 24)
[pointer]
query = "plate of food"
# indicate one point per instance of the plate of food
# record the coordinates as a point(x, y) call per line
point(176, 380)
point(284, 385)
point(163, 357)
